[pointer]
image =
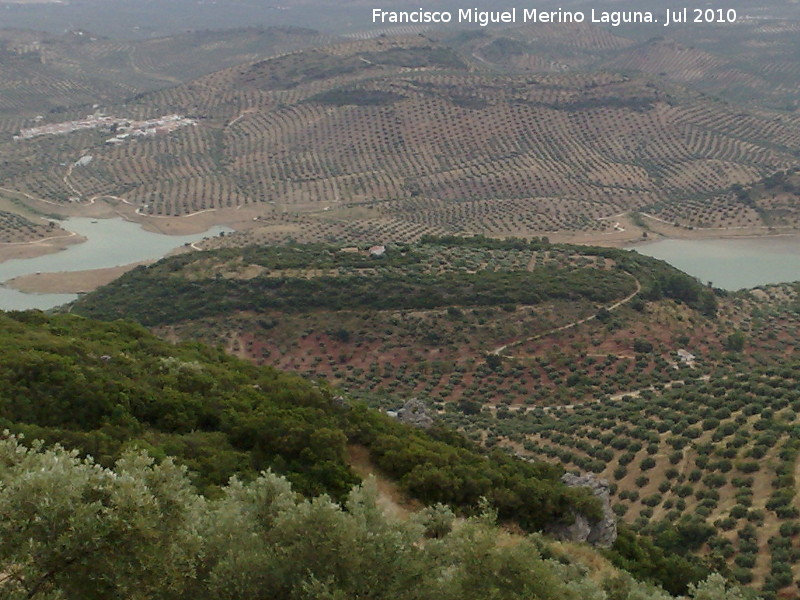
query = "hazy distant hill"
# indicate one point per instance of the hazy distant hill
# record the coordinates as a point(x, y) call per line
point(43, 73)
point(126, 19)
point(752, 61)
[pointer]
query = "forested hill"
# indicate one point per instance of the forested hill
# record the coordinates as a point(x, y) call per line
point(435, 273)
point(104, 388)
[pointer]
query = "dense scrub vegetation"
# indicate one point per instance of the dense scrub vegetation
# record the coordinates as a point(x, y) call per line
point(73, 530)
point(219, 297)
point(103, 388)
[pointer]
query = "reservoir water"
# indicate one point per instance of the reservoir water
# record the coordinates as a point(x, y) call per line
point(110, 243)
point(732, 264)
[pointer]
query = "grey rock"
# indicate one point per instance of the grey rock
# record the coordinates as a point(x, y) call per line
point(340, 401)
point(578, 531)
point(415, 413)
point(602, 533)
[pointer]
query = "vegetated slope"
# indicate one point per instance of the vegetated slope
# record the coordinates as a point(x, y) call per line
point(300, 278)
point(776, 198)
point(771, 201)
point(717, 457)
point(677, 432)
point(454, 320)
point(141, 529)
point(752, 62)
point(404, 136)
point(43, 73)
point(106, 389)
point(769, 205)
point(102, 388)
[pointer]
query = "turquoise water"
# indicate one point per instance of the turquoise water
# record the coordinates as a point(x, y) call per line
point(732, 264)
point(110, 243)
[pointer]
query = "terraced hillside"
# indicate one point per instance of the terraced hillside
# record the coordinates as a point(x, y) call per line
point(767, 205)
point(720, 456)
point(712, 448)
point(755, 63)
point(402, 137)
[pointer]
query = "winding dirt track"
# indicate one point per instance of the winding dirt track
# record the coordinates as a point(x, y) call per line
point(612, 307)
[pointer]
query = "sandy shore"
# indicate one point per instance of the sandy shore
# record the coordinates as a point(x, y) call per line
point(72, 282)
point(69, 282)
point(39, 247)
point(235, 218)
point(630, 234)
point(106, 207)
point(199, 222)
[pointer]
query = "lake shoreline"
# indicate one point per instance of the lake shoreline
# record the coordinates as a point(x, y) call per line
point(108, 207)
point(69, 282)
point(52, 272)
point(629, 235)
point(37, 248)
point(732, 263)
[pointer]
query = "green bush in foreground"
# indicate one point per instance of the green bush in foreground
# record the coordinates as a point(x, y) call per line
point(74, 530)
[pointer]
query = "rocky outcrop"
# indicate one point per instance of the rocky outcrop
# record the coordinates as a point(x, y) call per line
point(602, 533)
point(415, 413)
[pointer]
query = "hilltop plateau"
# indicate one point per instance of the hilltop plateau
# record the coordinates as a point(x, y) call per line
point(462, 321)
